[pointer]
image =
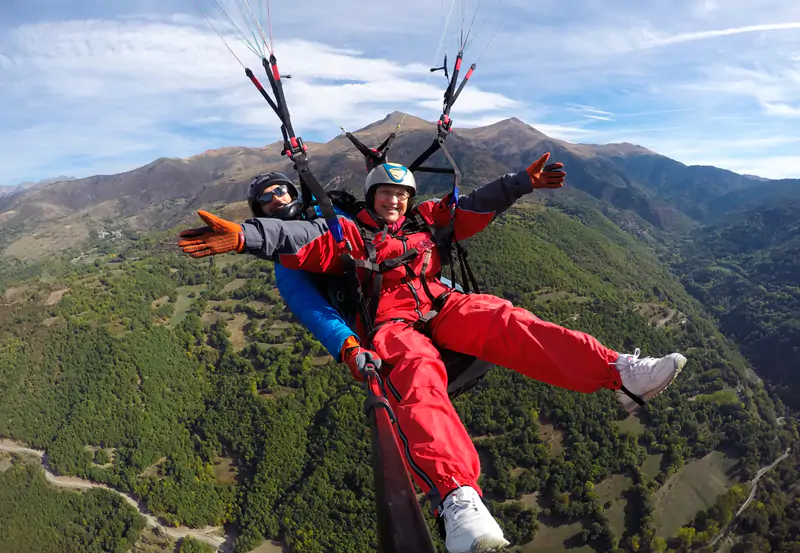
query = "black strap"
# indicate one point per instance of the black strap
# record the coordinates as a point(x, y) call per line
point(372, 156)
point(294, 147)
point(387, 264)
point(421, 324)
point(466, 271)
point(631, 395)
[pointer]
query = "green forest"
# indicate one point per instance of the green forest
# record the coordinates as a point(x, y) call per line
point(187, 384)
point(746, 271)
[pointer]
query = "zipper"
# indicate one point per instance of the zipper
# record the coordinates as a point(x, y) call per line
point(410, 285)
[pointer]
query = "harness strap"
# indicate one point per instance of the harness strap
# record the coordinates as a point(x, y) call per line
point(388, 264)
point(633, 396)
point(368, 304)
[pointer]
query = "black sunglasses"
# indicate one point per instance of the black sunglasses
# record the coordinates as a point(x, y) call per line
point(267, 197)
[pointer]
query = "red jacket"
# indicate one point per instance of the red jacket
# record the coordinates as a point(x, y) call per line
point(308, 245)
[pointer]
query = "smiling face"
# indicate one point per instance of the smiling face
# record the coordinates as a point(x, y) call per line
point(274, 200)
point(391, 202)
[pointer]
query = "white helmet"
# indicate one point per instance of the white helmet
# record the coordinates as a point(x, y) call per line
point(390, 173)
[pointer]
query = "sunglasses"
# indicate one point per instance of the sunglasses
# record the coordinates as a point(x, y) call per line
point(267, 197)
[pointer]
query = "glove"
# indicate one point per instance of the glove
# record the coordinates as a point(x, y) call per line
point(546, 176)
point(357, 358)
point(220, 236)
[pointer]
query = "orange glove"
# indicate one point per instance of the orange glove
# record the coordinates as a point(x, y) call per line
point(220, 236)
point(549, 176)
point(357, 358)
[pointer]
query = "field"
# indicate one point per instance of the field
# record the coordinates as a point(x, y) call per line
point(555, 538)
point(695, 487)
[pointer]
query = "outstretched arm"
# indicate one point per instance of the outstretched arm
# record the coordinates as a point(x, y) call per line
point(497, 196)
point(476, 210)
point(303, 245)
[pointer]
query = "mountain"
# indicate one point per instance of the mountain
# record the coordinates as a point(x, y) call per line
point(28, 185)
point(745, 268)
point(704, 193)
point(632, 185)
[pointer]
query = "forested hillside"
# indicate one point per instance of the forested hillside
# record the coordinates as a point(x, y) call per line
point(187, 384)
point(747, 271)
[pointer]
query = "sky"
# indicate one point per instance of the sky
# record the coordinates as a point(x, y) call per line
point(105, 86)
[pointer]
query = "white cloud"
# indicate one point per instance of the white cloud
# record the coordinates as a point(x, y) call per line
point(91, 91)
point(690, 78)
point(703, 35)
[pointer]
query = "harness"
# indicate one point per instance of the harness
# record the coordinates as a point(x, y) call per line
point(401, 525)
point(444, 238)
point(366, 295)
point(368, 292)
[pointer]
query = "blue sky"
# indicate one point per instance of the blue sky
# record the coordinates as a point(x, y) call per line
point(104, 86)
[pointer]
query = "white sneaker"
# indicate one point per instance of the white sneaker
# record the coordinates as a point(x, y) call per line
point(469, 526)
point(646, 378)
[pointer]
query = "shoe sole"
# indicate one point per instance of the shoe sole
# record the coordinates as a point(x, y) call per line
point(489, 544)
point(649, 396)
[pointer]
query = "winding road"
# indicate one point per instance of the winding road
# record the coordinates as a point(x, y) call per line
point(753, 489)
point(210, 534)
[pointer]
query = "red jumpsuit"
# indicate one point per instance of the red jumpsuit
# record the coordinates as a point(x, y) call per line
point(440, 455)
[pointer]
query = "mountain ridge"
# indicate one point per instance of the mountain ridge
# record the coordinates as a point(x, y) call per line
point(666, 193)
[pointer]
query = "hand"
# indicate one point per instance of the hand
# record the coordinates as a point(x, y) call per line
point(357, 358)
point(549, 176)
point(220, 236)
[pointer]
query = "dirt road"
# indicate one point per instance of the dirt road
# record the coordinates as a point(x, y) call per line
point(753, 487)
point(212, 535)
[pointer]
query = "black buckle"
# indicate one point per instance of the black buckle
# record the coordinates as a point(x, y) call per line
point(436, 306)
point(293, 147)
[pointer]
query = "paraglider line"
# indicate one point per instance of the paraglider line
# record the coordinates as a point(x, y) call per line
point(490, 41)
point(236, 27)
point(269, 24)
point(219, 35)
point(469, 30)
point(240, 6)
point(258, 24)
point(436, 56)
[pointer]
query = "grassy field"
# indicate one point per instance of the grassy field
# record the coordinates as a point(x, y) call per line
point(184, 302)
point(632, 425)
point(552, 436)
point(270, 546)
point(545, 295)
point(234, 285)
point(612, 490)
point(555, 538)
point(652, 465)
point(695, 487)
point(226, 470)
point(236, 328)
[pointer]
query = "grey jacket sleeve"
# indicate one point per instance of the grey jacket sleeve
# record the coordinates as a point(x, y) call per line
point(498, 195)
point(271, 238)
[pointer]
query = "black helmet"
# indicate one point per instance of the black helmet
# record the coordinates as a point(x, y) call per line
point(261, 182)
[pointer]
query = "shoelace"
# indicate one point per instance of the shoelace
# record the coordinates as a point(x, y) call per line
point(629, 361)
point(463, 505)
point(462, 502)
